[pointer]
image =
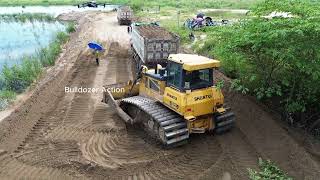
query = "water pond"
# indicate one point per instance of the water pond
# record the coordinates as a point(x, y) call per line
point(18, 39)
point(52, 10)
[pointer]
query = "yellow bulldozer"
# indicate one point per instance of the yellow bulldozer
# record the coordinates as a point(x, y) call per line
point(173, 102)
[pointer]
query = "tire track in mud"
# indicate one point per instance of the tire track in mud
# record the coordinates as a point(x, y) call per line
point(239, 151)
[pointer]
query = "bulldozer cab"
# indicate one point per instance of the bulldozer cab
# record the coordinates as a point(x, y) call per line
point(190, 72)
point(184, 80)
point(185, 85)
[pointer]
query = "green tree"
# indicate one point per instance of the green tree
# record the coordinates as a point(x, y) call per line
point(277, 59)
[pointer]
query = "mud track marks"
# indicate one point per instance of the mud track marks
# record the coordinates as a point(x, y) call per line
point(13, 169)
point(53, 141)
point(128, 156)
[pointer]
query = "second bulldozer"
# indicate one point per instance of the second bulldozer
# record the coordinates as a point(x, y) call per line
point(173, 102)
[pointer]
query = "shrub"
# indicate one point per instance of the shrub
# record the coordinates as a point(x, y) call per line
point(48, 55)
point(12, 78)
point(71, 27)
point(302, 8)
point(274, 59)
point(268, 171)
point(19, 77)
point(61, 37)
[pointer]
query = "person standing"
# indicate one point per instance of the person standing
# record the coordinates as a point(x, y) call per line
point(97, 55)
point(97, 50)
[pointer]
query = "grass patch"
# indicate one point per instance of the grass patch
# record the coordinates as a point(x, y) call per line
point(173, 26)
point(71, 27)
point(192, 5)
point(174, 17)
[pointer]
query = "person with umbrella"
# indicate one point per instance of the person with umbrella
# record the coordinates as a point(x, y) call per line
point(97, 50)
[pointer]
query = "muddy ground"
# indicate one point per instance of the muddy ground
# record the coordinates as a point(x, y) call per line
point(59, 135)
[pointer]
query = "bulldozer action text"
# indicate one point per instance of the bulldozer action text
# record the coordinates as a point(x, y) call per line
point(92, 90)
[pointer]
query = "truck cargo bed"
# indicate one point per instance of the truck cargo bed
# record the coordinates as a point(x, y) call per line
point(152, 45)
point(155, 32)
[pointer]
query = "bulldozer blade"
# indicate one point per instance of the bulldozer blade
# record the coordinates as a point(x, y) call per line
point(119, 91)
point(114, 104)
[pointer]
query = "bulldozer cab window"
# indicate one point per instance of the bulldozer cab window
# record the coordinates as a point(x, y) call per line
point(197, 79)
point(174, 71)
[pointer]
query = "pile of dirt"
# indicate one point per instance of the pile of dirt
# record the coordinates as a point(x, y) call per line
point(155, 32)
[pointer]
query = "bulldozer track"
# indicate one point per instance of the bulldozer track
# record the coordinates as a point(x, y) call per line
point(164, 124)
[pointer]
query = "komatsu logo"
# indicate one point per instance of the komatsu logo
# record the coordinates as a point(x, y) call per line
point(173, 97)
point(202, 97)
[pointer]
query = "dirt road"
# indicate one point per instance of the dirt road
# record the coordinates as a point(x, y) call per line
point(60, 135)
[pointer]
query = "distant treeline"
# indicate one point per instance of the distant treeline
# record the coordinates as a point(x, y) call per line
point(138, 4)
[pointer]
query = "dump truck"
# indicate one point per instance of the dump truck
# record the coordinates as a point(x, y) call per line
point(124, 15)
point(173, 102)
point(152, 44)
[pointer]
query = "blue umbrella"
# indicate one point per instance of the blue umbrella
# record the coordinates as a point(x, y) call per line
point(95, 46)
